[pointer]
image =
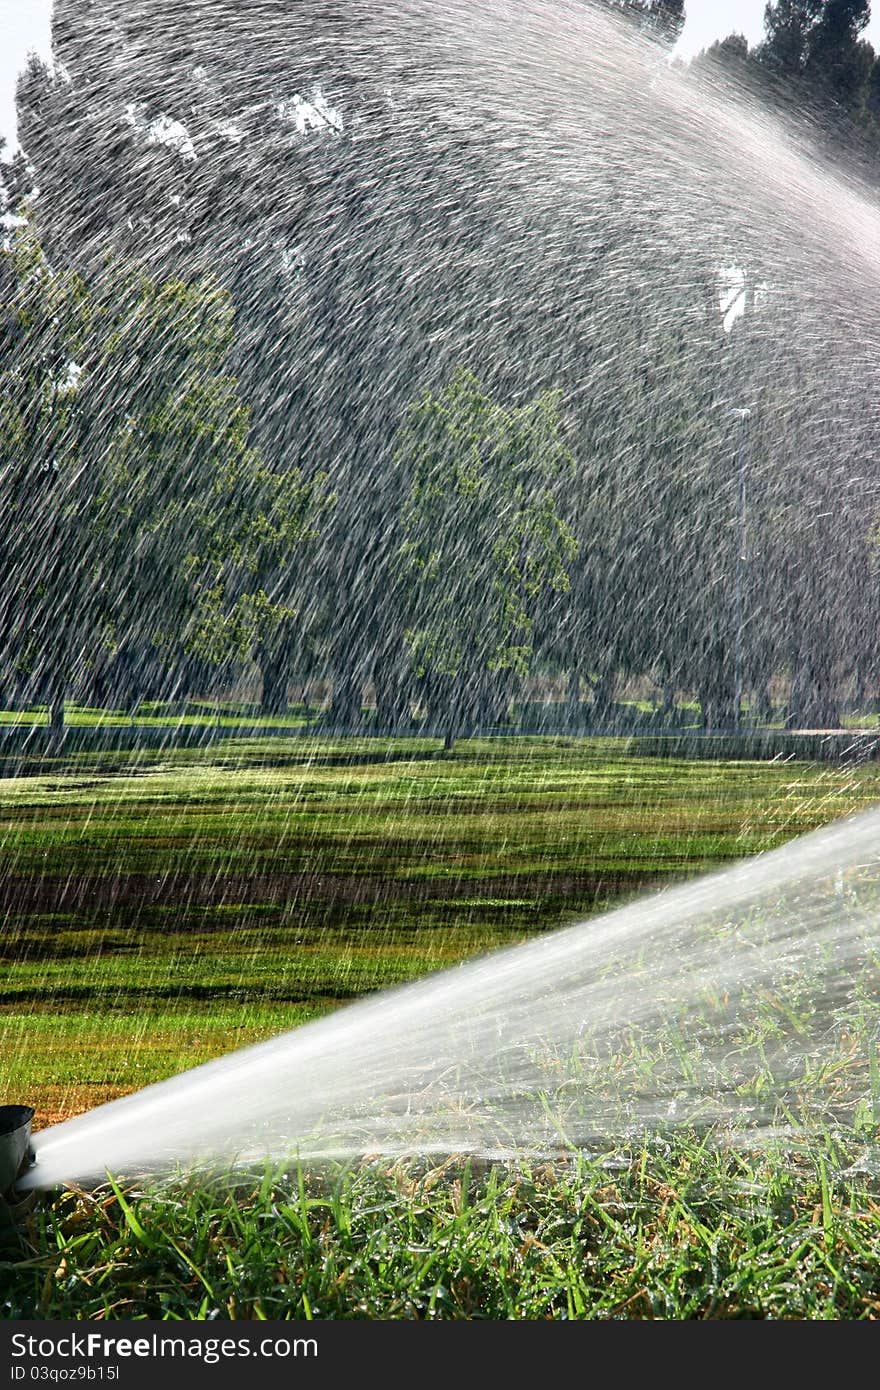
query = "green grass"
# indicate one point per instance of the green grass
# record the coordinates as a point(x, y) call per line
point(163, 908)
point(265, 881)
point(674, 1230)
point(191, 714)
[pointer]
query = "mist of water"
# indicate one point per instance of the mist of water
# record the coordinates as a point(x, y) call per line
point(736, 1003)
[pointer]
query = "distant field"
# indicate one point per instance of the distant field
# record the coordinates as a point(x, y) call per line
point(150, 714)
point(159, 909)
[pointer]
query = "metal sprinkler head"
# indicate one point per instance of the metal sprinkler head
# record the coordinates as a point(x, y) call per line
point(16, 1153)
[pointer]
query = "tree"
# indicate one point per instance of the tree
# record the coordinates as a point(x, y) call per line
point(46, 320)
point(663, 19)
point(483, 537)
point(787, 28)
point(816, 44)
point(131, 503)
point(378, 216)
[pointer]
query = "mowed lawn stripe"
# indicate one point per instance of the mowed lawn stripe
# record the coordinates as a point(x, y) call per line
point(254, 877)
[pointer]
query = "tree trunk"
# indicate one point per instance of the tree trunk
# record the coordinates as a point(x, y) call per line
point(492, 701)
point(498, 699)
point(345, 706)
point(56, 709)
point(273, 667)
point(573, 712)
point(392, 679)
point(795, 706)
point(813, 701)
point(393, 711)
point(762, 704)
point(602, 693)
point(444, 711)
point(717, 692)
point(718, 709)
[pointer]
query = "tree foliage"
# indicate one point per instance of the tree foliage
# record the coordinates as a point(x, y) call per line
point(321, 224)
point(484, 538)
point(133, 506)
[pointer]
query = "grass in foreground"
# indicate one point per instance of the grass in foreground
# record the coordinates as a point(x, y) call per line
point(675, 1230)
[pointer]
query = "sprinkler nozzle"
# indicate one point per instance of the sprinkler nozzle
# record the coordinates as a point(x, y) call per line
point(16, 1153)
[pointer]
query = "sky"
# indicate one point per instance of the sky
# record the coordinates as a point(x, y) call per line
point(708, 20)
point(24, 25)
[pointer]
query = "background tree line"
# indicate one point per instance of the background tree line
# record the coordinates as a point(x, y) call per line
point(308, 361)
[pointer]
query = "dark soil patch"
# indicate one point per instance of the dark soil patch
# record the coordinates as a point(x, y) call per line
point(120, 995)
point(77, 893)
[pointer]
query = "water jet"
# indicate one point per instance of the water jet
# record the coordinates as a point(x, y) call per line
point(743, 1005)
point(604, 168)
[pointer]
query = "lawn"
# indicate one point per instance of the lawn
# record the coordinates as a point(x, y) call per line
point(159, 909)
point(164, 907)
point(673, 1230)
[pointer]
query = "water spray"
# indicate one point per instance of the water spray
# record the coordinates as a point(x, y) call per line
point(744, 1005)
